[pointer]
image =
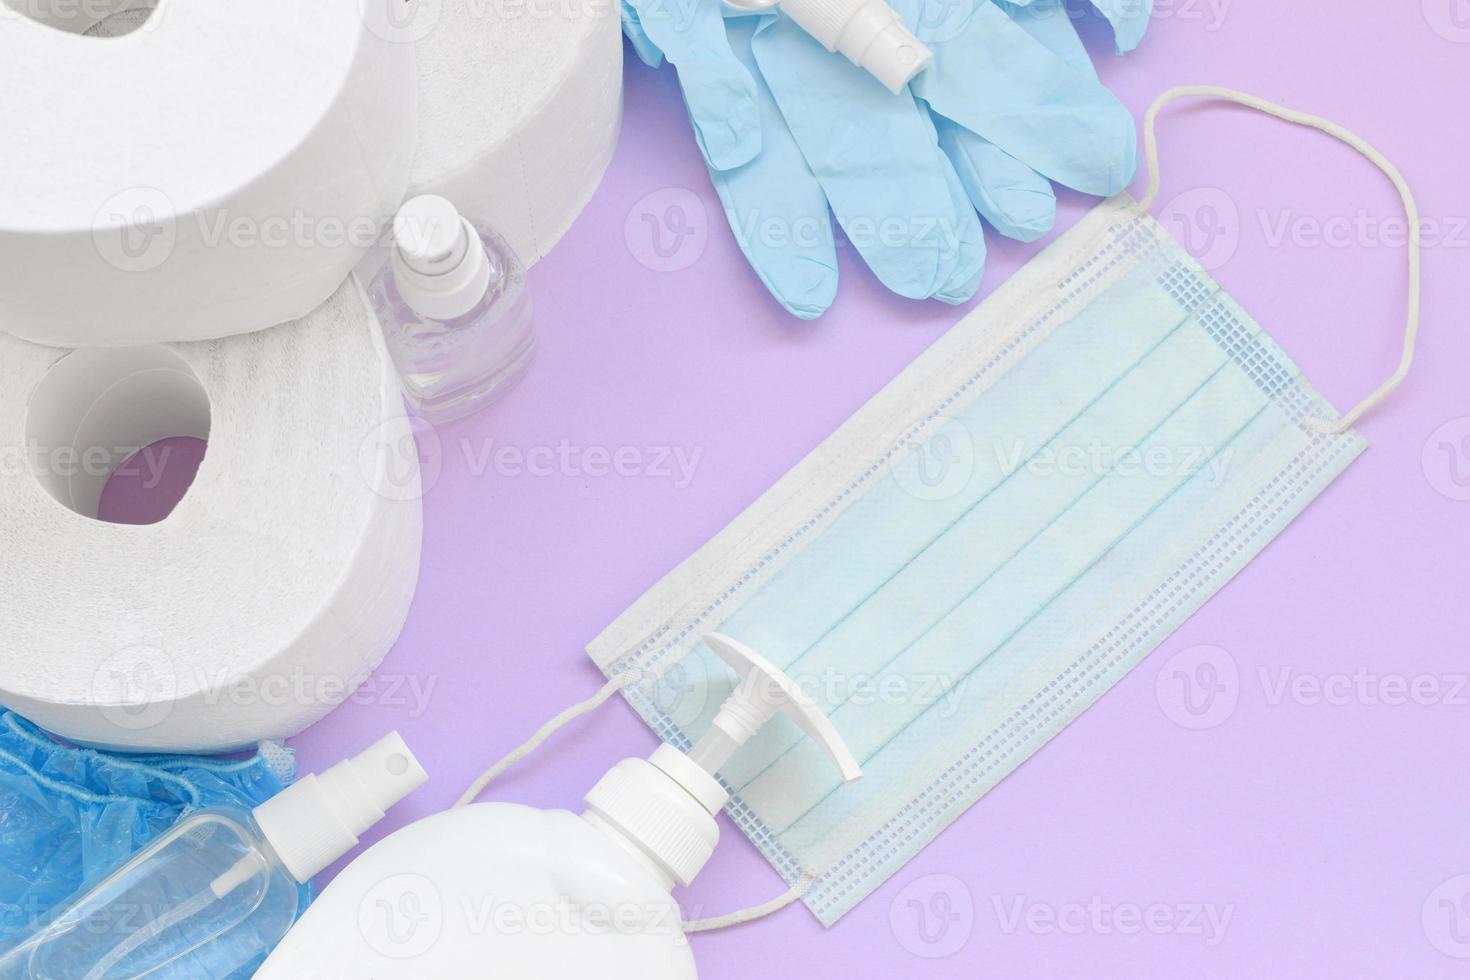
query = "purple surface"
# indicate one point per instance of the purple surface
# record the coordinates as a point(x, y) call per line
point(148, 485)
point(1328, 827)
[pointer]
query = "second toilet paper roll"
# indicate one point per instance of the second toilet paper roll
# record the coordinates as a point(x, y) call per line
point(519, 107)
point(279, 580)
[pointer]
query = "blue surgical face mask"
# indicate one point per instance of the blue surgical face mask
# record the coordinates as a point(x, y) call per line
point(990, 544)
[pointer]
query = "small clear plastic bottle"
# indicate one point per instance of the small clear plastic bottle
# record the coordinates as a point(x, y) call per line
point(211, 879)
point(455, 311)
point(216, 892)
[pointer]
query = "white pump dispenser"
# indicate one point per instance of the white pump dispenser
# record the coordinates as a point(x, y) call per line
point(667, 803)
point(496, 889)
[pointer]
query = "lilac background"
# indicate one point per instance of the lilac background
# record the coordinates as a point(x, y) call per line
point(1331, 834)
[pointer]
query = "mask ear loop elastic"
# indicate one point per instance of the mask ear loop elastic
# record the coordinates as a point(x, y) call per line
point(547, 730)
point(603, 695)
point(790, 897)
point(1411, 328)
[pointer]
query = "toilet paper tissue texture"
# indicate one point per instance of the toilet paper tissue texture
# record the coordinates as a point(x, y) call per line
point(277, 583)
point(220, 169)
point(519, 107)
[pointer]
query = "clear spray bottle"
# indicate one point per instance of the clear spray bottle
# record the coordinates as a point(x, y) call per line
point(222, 884)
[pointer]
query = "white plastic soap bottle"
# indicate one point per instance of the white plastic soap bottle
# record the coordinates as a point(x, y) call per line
point(499, 890)
point(221, 883)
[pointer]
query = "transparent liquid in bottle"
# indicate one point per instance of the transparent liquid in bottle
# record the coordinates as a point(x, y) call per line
point(453, 368)
point(212, 879)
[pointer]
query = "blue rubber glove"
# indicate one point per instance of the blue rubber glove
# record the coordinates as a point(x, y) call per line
point(1011, 102)
point(719, 91)
point(1016, 200)
point(876, 158)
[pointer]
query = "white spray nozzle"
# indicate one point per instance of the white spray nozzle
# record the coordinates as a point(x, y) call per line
point(430, 235)
point(764, 689)
point(869, 32)
point(318, 818)
point(439, 262)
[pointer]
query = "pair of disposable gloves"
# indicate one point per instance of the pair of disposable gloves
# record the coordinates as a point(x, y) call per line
point(789, 130)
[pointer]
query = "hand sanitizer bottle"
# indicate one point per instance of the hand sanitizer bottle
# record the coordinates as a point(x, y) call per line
point(869, 32)
point(220, 888)
point(499, 890)
point(455, 311)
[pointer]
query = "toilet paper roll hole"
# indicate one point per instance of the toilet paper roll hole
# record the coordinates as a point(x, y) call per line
point(100, 409)
point(147, 486)
point(91, 18)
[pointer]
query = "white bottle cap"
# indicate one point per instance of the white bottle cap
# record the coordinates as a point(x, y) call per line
point(666, 822)
point(439, 262)
point(869, 32)
point(895, 56)
point(875, 39)
point(667, 804)
point(318, 818)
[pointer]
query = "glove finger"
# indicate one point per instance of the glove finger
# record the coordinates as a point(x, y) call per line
point(643, 45)
point(996, 80)
point(963, 259)
point(872, 152)
point(776, 208)
point(1129, 19)
point(1049, 22)
point(718, 89)
point(966, 240)
point(1016, 200)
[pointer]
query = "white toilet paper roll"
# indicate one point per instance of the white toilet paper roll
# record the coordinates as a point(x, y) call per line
point(218, 168)
point(519, 107)
point(279, 580)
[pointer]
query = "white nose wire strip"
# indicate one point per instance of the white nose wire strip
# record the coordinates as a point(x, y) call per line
point(789, 897)
point(1411, 328)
